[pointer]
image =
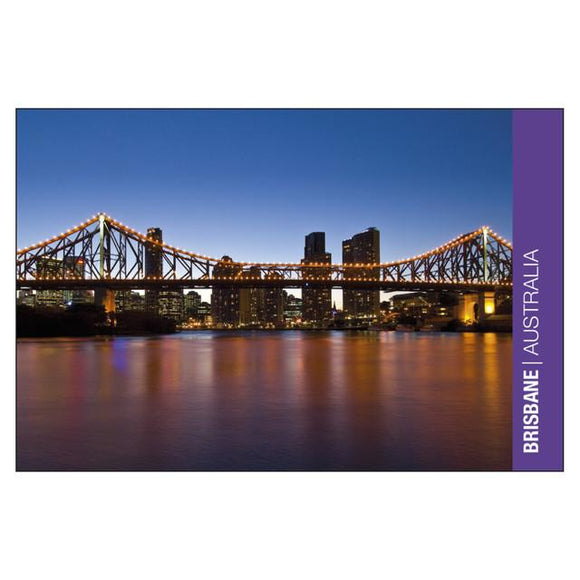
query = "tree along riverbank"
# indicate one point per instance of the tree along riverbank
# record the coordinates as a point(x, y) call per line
point(86, 320)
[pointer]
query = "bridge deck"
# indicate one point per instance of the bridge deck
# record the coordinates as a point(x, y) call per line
point(387, 286)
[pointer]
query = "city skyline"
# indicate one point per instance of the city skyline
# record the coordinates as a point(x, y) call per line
point(481, 259)
point(251, 184)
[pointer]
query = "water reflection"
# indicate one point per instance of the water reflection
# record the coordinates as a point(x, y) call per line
point(266, 401)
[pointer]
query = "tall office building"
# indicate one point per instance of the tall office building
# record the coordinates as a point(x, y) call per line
point(273, 302)
point(129, 300)
point(191, 302)
point(316, 305)
point(203, 314)
point(153, 268)
point(292, 309)
point(74, 267)
point(70, 267)
point(225, 302)
point(171, 304)
point(251, 299)
point(363, 248)
point(195, 309)
point(49, 268)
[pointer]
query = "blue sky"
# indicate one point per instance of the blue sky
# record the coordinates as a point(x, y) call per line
point(252, 183)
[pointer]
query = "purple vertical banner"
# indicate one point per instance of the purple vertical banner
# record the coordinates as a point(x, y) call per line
point(538, 290)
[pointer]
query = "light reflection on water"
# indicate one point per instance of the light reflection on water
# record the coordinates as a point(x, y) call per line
point(266, 401)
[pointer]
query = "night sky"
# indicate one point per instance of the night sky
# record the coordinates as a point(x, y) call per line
point(251, 184)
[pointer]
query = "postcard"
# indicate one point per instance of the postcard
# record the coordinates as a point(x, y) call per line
point(289, 290)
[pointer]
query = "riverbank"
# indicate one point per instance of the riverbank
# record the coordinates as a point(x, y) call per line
point(88, 320)
point(85, 320)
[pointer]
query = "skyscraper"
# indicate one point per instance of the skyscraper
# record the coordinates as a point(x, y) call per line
point(362, 248)
point(316, 305)
point(49, 268)
point(129, 300)
point(171, 305)
point(153, 268)
point(74, 267)
point(191, 302)
point(292, 309)
point(70, 267)
point(225, 302)
point(195, 310)
point(273, 302)
point(251, 299)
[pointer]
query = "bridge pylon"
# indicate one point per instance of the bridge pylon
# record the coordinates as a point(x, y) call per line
point(105, 297)
point(475, 306)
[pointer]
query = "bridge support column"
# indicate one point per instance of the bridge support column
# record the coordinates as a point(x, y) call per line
point(475, 307)
point(467, 308)
point(486, 303)
point(105, 297)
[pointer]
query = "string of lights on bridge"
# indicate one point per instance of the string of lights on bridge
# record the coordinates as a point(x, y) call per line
point(130, 231)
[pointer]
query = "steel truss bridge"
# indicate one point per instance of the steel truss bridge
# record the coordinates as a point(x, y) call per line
point(104, 253)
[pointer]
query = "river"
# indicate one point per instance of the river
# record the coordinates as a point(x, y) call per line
point(288, 400)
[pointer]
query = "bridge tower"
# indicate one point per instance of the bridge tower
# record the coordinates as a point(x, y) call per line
point(104, 296)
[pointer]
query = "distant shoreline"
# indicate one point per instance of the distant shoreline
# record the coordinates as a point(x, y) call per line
point(261, 330)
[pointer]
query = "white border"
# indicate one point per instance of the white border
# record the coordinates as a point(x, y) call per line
point(298, 54)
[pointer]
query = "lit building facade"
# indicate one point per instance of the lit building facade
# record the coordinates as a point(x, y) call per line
point(49, 268)
point(251, 300)
point(425, 305)
point(74, 267)
point(273, 303)
point(204, 314)
point(197, 312)
point(292, 309)
point(171, 305)
point(191, 302)
point(129, 300)
point(225, 302)
point(153, 268)
point(26, 298)
point(362, 248)
point(316, 302)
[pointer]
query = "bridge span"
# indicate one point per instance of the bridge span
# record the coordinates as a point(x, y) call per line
point(103, 253)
